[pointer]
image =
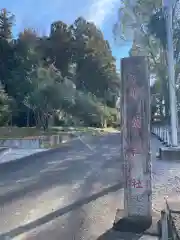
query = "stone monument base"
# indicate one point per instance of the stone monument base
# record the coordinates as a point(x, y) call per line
point(169, 153)
point(114, 235)
point(137, 224)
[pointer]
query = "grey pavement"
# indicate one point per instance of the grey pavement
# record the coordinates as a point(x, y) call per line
point(165, 178)
point(67, 195)
point(14, 154)
point(73, 194)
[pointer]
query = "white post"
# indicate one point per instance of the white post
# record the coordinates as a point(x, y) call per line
point(170, 56)
point(156, 131)
point(161, 133)
point(166, 133)
point(168, 138)
point(163, 137)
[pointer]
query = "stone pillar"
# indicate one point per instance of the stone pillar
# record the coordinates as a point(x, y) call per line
point(135, 107)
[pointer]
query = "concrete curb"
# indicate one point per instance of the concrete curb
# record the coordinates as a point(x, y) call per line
point(161, 140)
point(3, 149)
point(35, 142)
point(167, 152)
point(17, 163)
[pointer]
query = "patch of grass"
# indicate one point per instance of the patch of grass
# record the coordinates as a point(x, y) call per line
point(91, 130)
point(48, 146)
point(30, 132)
point(25, 132)
point(110, 130)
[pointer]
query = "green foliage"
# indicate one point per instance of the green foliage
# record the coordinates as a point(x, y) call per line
point(157, 26)
point(143, 23)
point(92, 54)
point(70, 71)
point(4, 107)
point(6, 23)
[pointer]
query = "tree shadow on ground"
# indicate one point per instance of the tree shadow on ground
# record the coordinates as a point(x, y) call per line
point(42, 173)
point(32, 182)
point(56, 170)
point(115, 235)
point(60, 212)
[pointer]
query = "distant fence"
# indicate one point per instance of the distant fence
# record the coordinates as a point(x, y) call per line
point(163, 133)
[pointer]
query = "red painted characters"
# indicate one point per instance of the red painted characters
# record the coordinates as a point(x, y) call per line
point(136, 183)
point(136, 122)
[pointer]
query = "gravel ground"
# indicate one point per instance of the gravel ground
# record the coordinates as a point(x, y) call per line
point(166, 178)
point(75, 195)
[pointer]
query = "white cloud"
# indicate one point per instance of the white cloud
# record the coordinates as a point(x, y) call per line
point(100, 10)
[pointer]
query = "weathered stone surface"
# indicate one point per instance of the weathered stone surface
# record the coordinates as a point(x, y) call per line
point(136, 137)
point(169, 153)
point(137, 224)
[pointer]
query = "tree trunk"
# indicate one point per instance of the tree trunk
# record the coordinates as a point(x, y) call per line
point(37, 119)
point(28, 116)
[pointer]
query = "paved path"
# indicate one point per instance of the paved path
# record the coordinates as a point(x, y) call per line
point(74, 195)
point(14, 154)
point(67, 195)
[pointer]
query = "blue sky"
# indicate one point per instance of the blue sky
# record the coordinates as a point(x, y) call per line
point(102, 12)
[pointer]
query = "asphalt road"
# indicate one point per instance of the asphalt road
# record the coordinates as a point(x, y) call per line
point(71, 194)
